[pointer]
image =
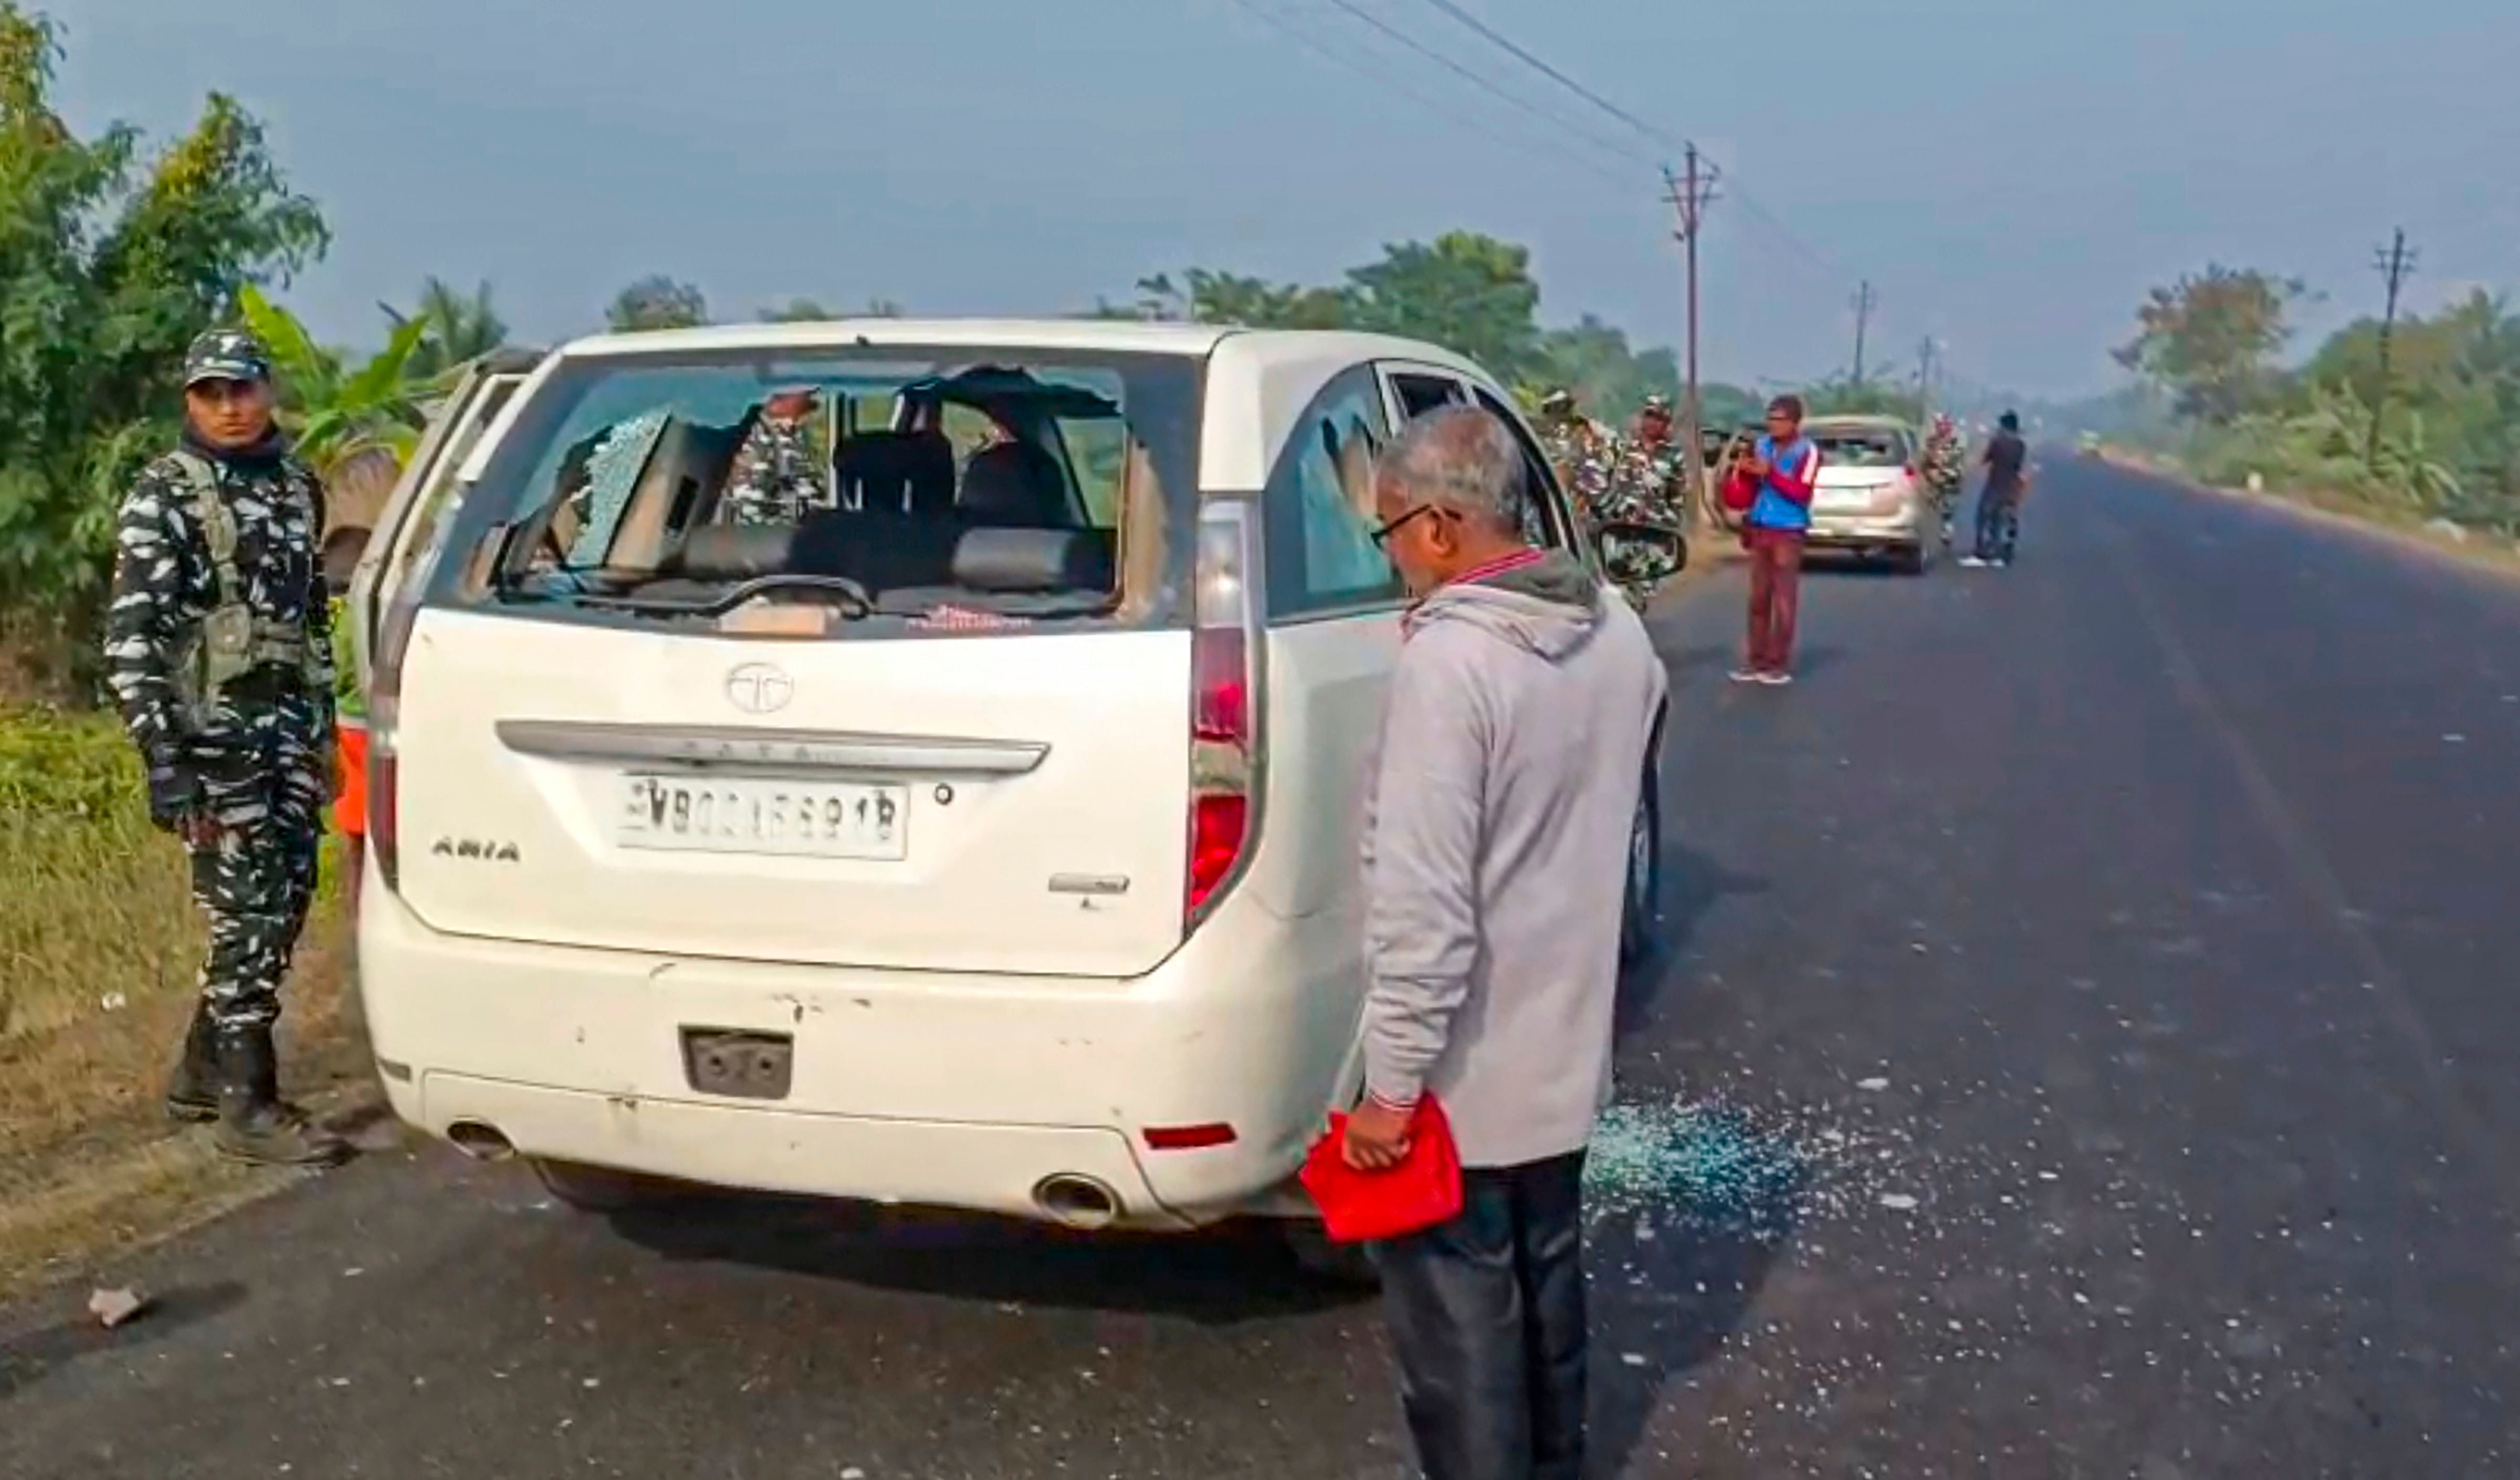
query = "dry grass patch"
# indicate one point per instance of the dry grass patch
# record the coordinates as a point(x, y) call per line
point(99, 945)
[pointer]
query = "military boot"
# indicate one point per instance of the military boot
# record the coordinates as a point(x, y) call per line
point(255, 1125)
point(193, 1089)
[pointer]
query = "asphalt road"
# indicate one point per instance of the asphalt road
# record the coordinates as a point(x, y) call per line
point(2089, 1047)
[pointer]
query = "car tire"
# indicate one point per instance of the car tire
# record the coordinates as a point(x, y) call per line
point(602, 1190)
point(1339, 1266)
point(1641, 914)
point(1915, 559)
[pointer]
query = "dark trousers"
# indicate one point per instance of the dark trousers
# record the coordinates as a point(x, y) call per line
point(1776, 592)
point(1487, 1325)
point(1999, 524)
point(264, 770)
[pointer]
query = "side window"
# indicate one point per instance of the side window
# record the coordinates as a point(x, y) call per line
point(1544, 516)
point(1318, 506)
point(415, 541)
point(1422, 393)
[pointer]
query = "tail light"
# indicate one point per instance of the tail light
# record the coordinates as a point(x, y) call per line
point(384, 715)
point(1224, 750)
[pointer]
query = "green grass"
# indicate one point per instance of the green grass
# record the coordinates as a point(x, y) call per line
point(93, 900)
point(99, 949)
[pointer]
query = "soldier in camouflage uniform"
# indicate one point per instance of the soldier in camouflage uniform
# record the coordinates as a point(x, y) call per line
point(1645, 487)
point(219, 653)
point(1657, 475)
point(1946, 468)
point(1584, 452)
point(774, 481)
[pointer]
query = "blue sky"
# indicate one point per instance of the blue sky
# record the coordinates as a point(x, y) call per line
point(2010, 184)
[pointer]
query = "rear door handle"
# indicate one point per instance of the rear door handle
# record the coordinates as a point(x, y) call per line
point(779, 751)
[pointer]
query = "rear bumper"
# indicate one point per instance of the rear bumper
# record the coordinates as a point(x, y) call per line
point(1866, 531)
point(923, 1089)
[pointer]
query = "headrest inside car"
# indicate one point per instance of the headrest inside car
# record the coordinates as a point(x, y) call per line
point(1026, 562)
point(735, 552)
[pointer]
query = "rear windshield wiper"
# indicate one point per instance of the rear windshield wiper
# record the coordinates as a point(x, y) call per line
point(856, 602)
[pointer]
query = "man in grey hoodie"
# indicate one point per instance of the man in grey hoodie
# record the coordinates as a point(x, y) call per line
point(1520, 721)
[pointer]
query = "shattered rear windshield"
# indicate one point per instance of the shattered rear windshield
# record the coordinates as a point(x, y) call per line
point(956, 490)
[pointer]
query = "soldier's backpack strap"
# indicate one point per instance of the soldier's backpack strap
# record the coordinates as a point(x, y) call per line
point(217, 523)
point(232, 642)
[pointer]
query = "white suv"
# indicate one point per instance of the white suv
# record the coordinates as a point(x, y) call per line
point(981, 834)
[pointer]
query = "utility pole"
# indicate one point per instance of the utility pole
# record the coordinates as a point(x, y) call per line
point(1864, 302)
point(2394, 261)
point(1690, 194)
point(1925, 372)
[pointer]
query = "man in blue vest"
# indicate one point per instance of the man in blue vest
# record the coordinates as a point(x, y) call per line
point(1778, 477)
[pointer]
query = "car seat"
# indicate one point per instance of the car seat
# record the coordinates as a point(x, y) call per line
point(1014, 485)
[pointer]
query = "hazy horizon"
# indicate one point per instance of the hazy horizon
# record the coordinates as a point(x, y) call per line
point(2010, 188)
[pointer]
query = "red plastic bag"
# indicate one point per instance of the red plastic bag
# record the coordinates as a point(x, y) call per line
point(1740, 492)
point(1366, 1207)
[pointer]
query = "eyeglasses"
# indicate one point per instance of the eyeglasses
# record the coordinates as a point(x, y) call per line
point(1382, 533)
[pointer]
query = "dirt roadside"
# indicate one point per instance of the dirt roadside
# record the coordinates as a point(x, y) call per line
point(124, 1177)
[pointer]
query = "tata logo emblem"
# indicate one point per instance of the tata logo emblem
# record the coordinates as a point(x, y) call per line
point(759, 688)
point(488, 850)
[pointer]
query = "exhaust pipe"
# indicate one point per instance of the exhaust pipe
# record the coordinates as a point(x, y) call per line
point(481, 1142)
point(1076, 1201)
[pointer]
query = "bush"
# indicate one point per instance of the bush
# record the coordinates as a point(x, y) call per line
point(93, 900)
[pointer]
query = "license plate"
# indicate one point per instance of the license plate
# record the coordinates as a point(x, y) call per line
point(747, 815)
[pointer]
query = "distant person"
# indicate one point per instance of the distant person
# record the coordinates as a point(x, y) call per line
point(776, 476)
point(1584, 452)
point(1778, 476)
point(1998, 500)
point(1514, 737)
point(1946, 470)
point(1654, 459)
point(219, 655)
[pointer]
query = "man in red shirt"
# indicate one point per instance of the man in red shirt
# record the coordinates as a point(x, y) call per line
point(1775, 480)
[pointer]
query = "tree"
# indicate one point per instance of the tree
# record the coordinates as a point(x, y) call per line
point(111, 259)
point(1609, 379)
point(2455, 402)
point(2208, 338)
point(1471, 293)
point(1206, 296)
point(334, 414)
point(656, 302)
point(1844, 396)
point(1728, 407)
point(458, 329)
point(811, 311)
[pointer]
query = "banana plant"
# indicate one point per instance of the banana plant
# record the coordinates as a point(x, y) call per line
point(334, 414)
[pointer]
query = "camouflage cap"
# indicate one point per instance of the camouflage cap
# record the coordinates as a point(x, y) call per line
point(1559, 398)
point(1658, 404)
point(226, 354)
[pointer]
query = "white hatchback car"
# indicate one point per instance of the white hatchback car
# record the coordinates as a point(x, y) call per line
point(983, 835)
point(1872, 499)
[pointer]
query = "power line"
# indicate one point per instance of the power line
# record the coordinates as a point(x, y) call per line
point(1561, 78)
point(1382, 81)
point(1649, 130)
point(1483, 83)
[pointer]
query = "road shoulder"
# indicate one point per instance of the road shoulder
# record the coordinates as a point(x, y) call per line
point(2473, 549)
